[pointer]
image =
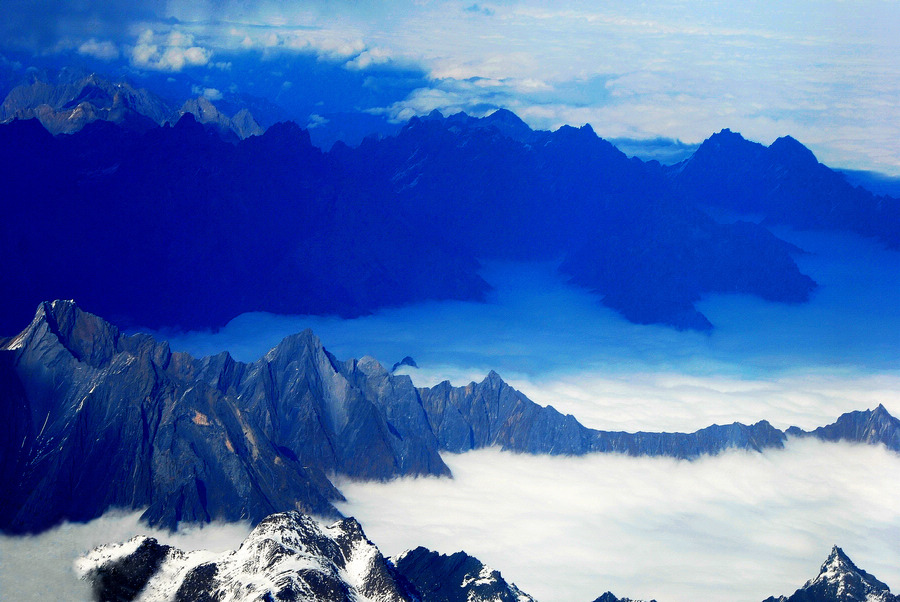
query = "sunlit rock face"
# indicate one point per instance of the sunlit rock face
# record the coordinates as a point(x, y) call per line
point(839, 580)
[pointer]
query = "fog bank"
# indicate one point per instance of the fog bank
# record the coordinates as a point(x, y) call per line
point(737, 527)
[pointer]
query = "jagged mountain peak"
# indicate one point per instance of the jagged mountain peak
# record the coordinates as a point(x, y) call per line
point(494, 380)
point(869, 426)
point(790, 151)
point(840, 580)
point(840, 572)
point(267, 433)
point(87, 337)
point(304, 341)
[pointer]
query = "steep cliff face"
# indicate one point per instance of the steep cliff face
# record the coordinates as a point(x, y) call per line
point(99, 420)
point(114, 421)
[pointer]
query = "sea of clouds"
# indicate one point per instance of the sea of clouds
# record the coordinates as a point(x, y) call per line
point(738, 526)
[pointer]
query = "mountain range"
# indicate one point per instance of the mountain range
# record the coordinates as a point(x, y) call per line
point(95, 419)
point(290, 556)
point(275, 224)
point(68, 102)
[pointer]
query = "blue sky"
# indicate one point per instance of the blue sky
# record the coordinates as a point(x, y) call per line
point(822, 71)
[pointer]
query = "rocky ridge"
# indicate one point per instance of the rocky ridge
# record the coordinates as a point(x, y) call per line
point(840, 580)
point(96, 419)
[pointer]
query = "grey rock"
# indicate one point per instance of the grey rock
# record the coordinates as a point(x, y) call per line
point(241, 126)
point(66, 106)
point(98, 420)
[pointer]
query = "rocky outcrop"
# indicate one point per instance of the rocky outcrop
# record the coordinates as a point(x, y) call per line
point(67, 105)
point(70, 101)
point(839, 580)
point(288, 556)
point(455, 578)
point(866, 426)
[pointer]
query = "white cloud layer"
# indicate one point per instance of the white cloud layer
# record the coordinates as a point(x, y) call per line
point(733, 528)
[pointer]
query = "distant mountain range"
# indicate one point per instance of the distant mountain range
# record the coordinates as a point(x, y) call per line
point(122, 204)
point(289, 556)
point(95, 420)
point(67, 103)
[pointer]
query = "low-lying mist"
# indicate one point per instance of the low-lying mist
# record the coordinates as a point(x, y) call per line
point(797, 365)
point(737, 527)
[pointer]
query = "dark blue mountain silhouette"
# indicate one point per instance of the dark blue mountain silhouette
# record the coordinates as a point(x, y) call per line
point(176, 227)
